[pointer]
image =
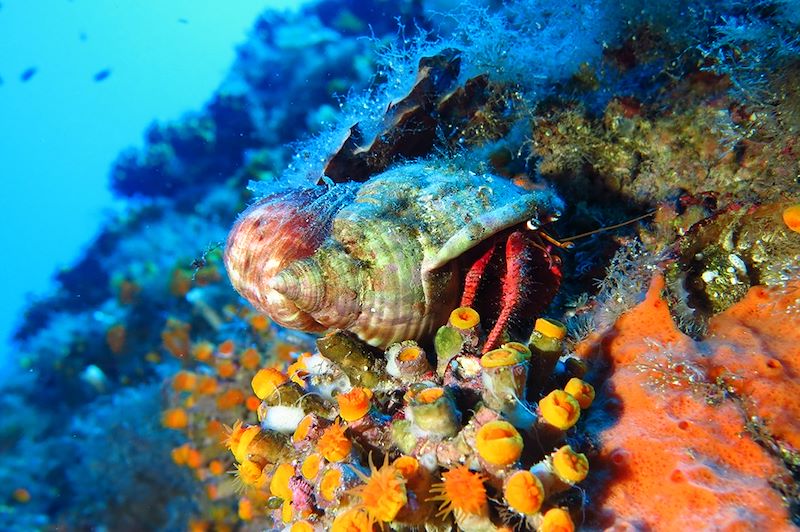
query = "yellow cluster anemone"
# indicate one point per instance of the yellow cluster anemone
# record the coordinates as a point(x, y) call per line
point(461, 490)
point(334, 444)
point(175, 418)
point(329, 484)
point(355, 404)
point(571, 467)
point(303, 428)
point(497, 358)
point(267, 381)
point(560, 409)
point(279, 484)
point(582, 391)
point(499, 443)
point(311, 466)
point(524, 492)
point(551, 328)
point(557, 520)
point(464, 318)
point(353, 520)
point(252, 473)
point(791, 217)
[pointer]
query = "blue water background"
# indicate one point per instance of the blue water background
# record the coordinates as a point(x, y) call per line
point(61, 129)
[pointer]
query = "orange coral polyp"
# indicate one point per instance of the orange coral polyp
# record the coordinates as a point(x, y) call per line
point(582, 391)
point(184, 381)
point(498, 358)
point(557, 520)
point(302, 526)
point(302, 429)
point(499, 443)
point(409, 353)
point(464, 318)
point(560, 409)
point(250, 359)
point(226, 369)
point(524, 492)
point(334, 445)
point(354, 404)
point(311, 465)
point(175, 418)
point(331, 480)
point(230, 399)
point(791, 217)
point(252, 474)
point(266, 382)
point(383, 495)
point(279, 484)
point(429, 395)
point(571, 467)
point(552, 328)
point(461, 490)
point(246, 437)
point(353, 520)
point(408, 466)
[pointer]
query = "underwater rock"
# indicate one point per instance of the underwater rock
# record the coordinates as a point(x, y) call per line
point(435, 112)
point(721, 257)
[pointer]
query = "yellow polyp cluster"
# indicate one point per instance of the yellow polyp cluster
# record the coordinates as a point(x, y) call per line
point(557, 520)
point(175, 418)
point(429, 395)
point(497, 358)
point(241, 438)
point(252, 473)
point(302, 526)
point(560, 409)
point(499, 443)
point(524, 492)
point(409, 353)
point(330, 483)
point(355, 404)
point(462, 450)
point(333, 444)
point(791, 217)
point(551, 328)
point(311, 466)
point(461, 490)
point(571, 467)
point(279, 484)
point(353, 520)
point(582, 391)
point(464, 318)
point(266, 382)
point(301, 432)
point(383, 494)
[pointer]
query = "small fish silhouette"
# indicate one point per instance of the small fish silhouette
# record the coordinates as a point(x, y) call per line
point(103, 74)
point(27, 74)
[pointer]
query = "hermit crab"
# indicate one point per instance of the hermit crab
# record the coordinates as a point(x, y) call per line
point(389, 259)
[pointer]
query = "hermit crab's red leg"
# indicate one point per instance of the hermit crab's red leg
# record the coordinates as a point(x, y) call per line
point(473, 278)
point(512, 287)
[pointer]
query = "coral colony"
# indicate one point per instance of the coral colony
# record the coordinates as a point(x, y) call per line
point(364, 289)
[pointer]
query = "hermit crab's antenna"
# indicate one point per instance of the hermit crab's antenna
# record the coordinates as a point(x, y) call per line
point(569, 240)
point(567, 243)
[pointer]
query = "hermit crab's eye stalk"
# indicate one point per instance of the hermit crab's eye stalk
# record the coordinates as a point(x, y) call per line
point(533, 224)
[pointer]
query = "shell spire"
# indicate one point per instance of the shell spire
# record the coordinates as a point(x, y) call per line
point(303, 283)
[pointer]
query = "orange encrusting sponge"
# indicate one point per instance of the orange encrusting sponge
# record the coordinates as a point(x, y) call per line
point(674, 458)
